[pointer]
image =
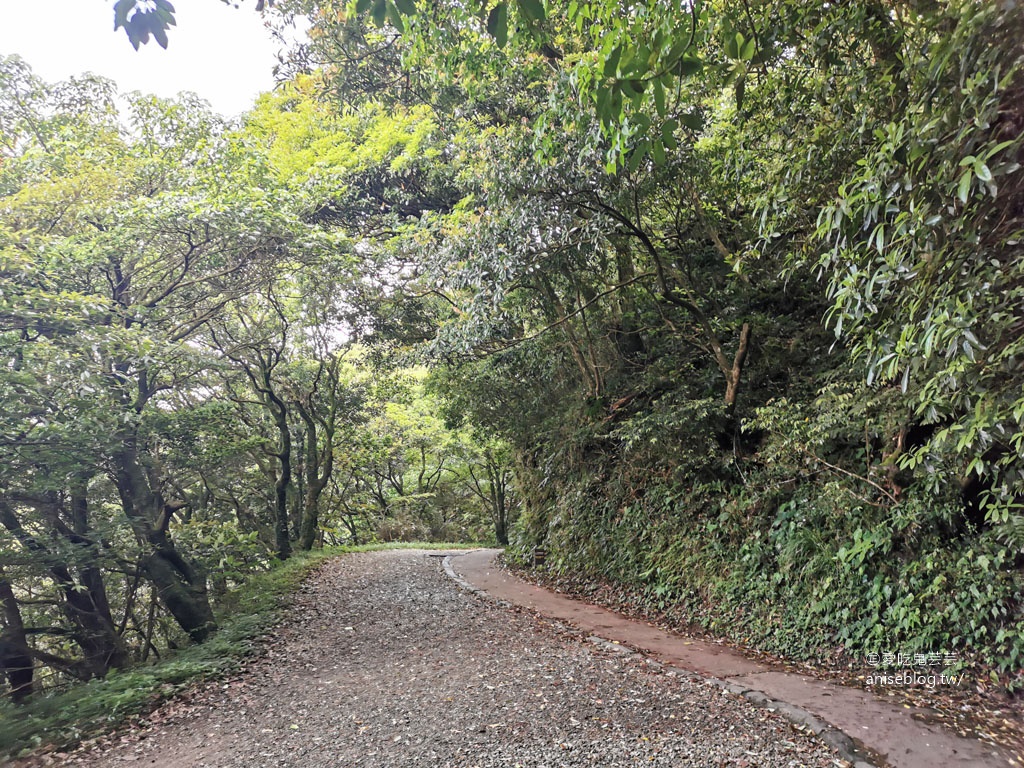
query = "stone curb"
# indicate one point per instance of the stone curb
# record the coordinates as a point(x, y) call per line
point(841, 742)
point(447, 562)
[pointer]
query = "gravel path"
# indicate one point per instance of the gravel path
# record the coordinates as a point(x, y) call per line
point(387, 663)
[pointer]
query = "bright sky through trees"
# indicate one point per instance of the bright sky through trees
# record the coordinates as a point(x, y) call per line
point(224, 54)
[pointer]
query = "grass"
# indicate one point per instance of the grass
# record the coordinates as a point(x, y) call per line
point(247, 615)
point(406, 545)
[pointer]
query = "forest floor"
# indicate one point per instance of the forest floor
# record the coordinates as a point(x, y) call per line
point(384, 661)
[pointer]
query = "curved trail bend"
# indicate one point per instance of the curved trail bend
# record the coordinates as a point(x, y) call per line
point(386, 662)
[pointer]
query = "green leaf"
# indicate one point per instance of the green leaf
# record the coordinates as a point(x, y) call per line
point(982, 171)
point(603, 104)
point(638, 63)
point(637, 156)
point(658, 153)
point(692, 120)
point(497, 24)
point(659, 98)
point(160, 35)
point(998, 148)
point(668, 134)
point(689, 65)
point(676, 51)
point(964, 188)
point(747, 51)
point(733, 43)
point(395, 17)
point(408, 7)
point(379, 12)
point(532, 9)
point(611, 64)
point(362, 6)
point(121, 9)
point(616, 102)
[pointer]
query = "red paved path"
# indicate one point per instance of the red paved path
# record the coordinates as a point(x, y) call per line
point(884, 728)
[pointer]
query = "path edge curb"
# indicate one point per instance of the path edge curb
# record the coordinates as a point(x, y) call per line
point(466, 586)
point(841, 742)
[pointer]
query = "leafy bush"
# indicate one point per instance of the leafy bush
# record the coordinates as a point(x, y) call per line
point(247, 614)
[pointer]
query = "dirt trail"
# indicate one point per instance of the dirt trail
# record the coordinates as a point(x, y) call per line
point(386, 662)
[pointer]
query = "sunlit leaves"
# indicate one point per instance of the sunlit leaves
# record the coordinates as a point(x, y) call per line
point(639, 63)
point(923, 280)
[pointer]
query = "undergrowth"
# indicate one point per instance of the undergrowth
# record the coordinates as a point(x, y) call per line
point(804, 574)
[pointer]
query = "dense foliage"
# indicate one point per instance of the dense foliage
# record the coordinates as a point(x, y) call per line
point(740, 284)
point(183, 396)
point(726, 297)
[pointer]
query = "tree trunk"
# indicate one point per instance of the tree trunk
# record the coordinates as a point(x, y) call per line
point(500, 504)
point(84, 604)
point(284, 478)
point(732, 371)
point(501, 524)
point(318, 474)
point(180, 584)
point(110, 650)
point(17, 665)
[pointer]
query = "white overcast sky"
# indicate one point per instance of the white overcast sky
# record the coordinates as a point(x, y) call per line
point(222, 53)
